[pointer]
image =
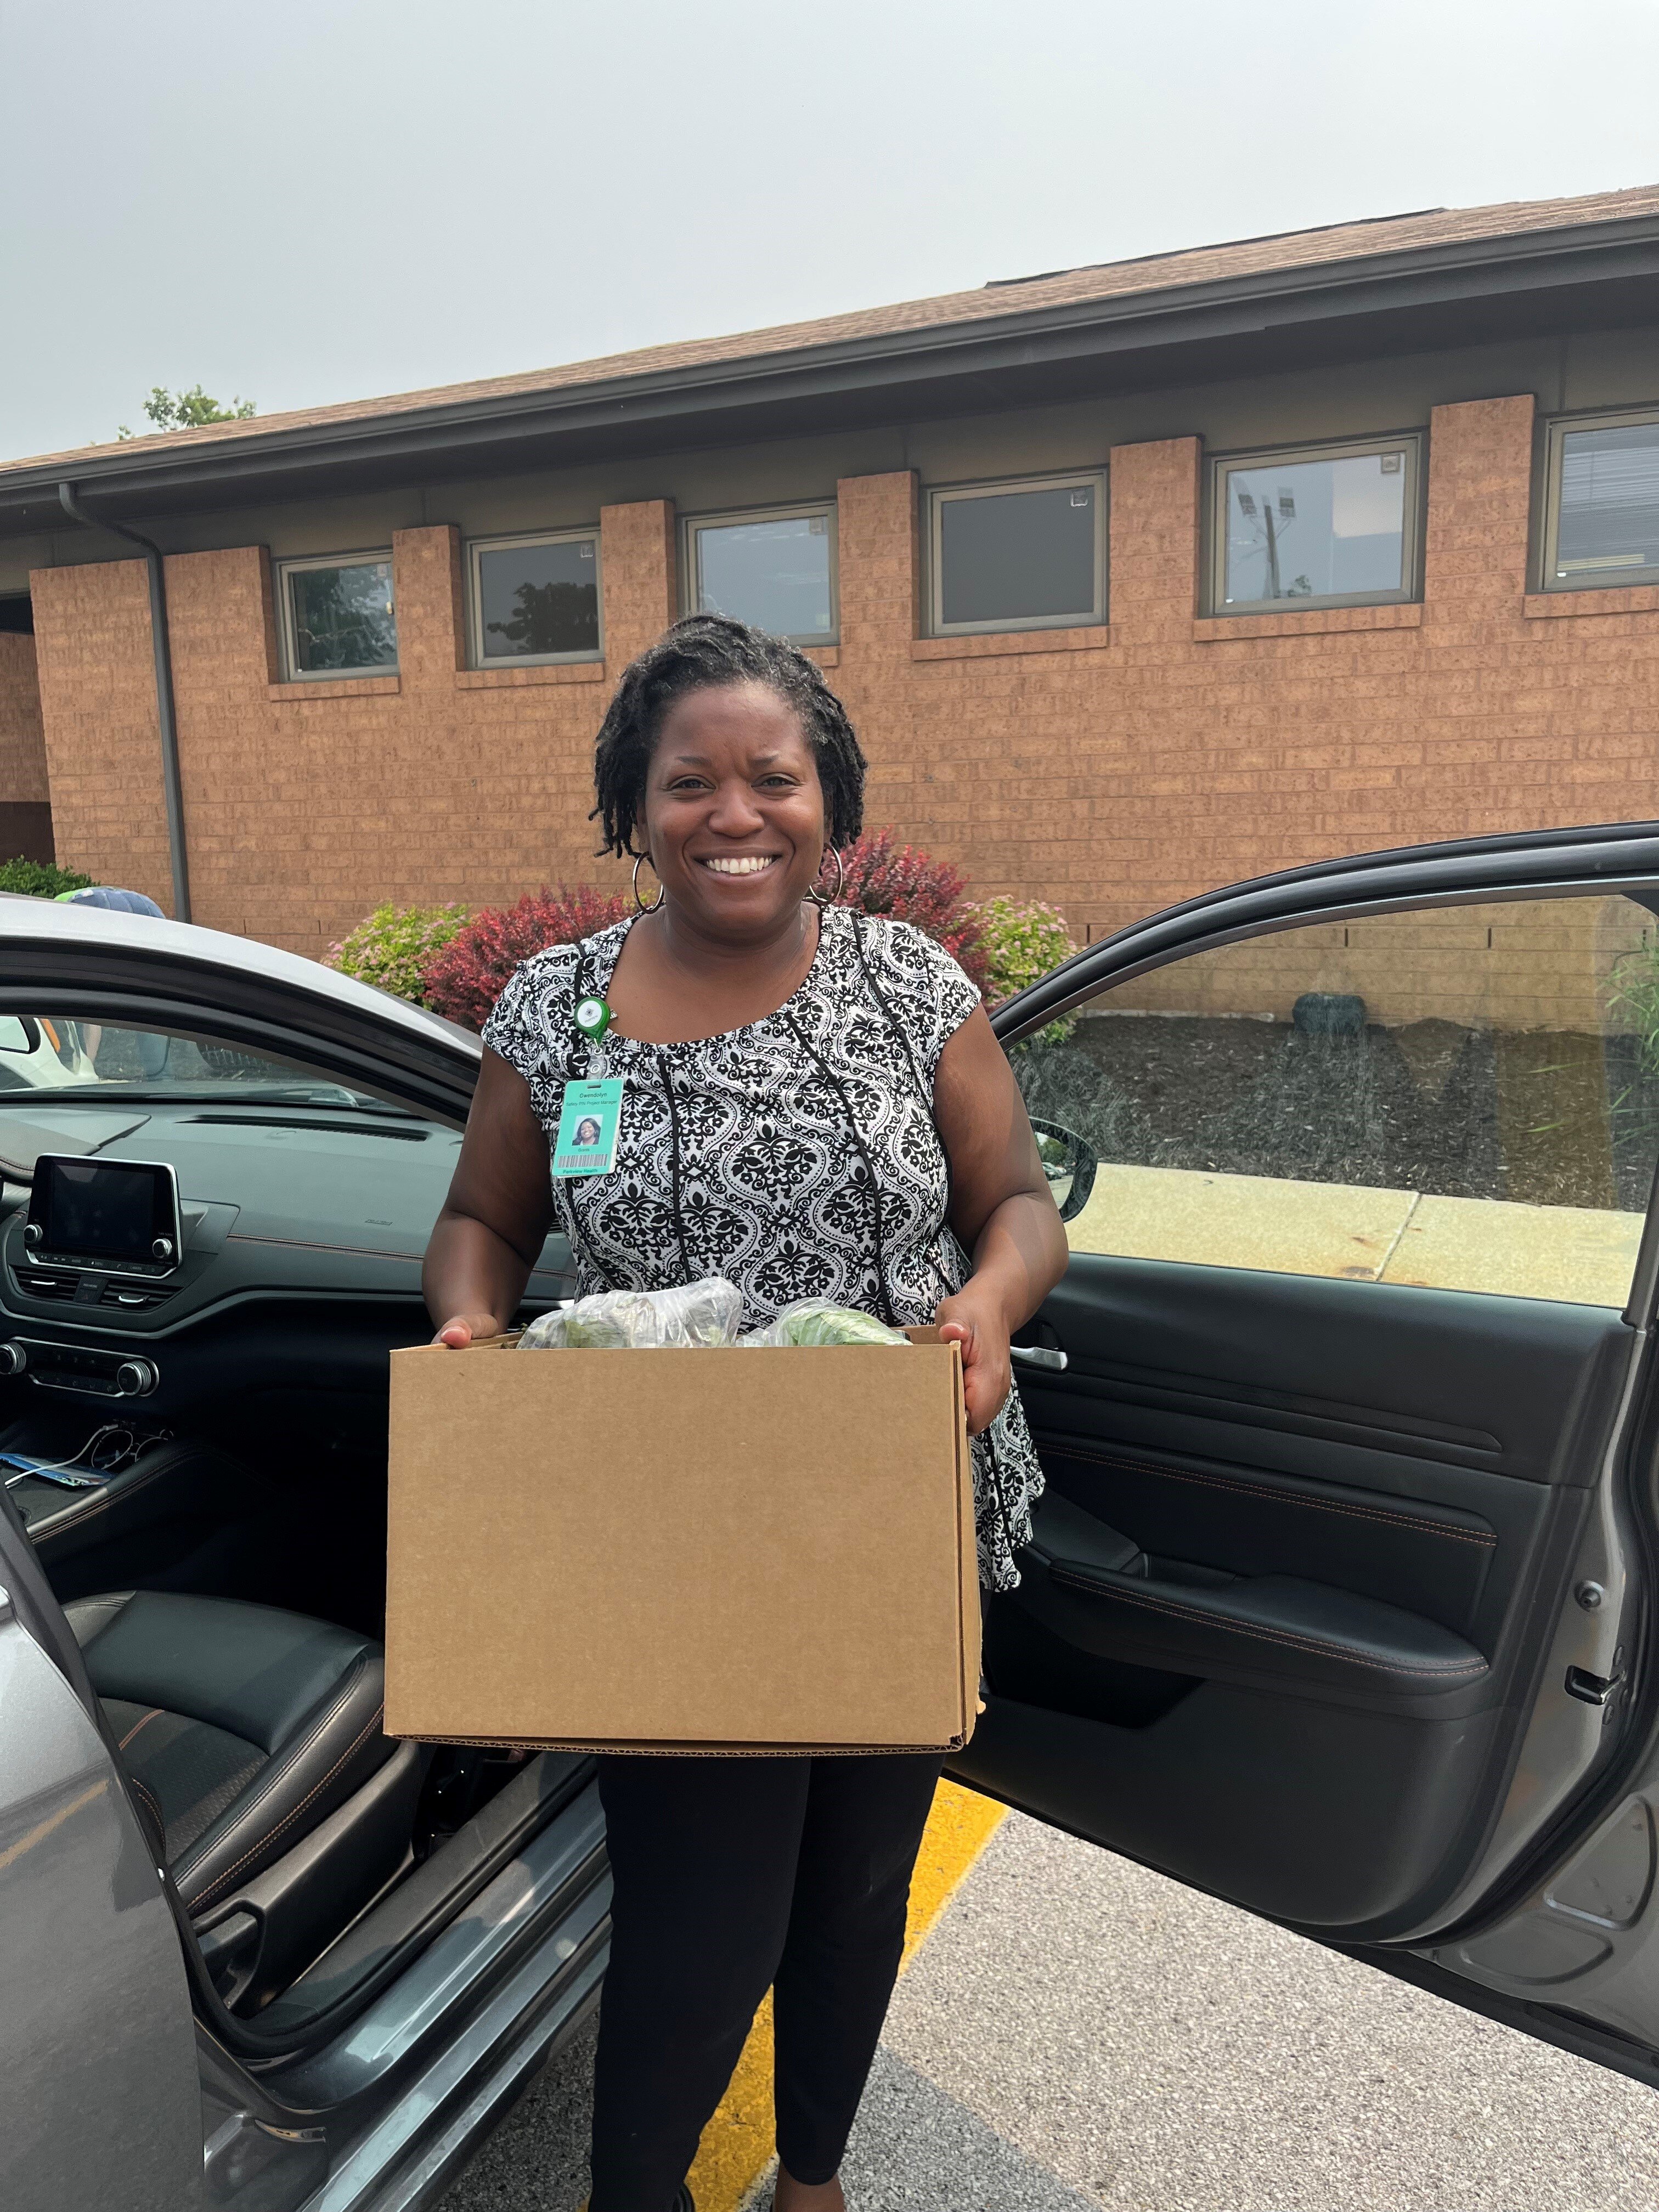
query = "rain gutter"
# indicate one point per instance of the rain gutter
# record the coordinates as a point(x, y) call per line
point(172, 785)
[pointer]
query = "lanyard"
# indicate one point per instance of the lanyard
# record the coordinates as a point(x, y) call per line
point(598, 1098)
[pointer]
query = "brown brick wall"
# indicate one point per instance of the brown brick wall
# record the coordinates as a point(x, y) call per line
point(1110, 770)
point(1526, 964)
point(98, 707)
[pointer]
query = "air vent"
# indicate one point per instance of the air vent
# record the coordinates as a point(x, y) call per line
point(131, 1296)
point(45, 1283)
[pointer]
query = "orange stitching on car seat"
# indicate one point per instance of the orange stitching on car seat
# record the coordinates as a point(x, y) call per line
point(1483, 1537)
point(280, 1766)
point(154, 1802)
point(1267, 1635)
point(154, 1713)
point(288, 1819)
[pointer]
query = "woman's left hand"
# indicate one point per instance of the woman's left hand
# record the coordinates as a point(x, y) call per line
point(974, 1320)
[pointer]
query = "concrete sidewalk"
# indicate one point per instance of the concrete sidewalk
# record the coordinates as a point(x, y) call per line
point(1575, 1253)
point(1079, 2035)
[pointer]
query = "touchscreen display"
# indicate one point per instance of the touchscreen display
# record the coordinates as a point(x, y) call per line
point(102, 1209)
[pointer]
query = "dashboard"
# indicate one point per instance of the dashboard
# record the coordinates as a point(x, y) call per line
point(293, 1204)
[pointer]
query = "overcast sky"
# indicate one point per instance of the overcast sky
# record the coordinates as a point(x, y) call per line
point(328, 199)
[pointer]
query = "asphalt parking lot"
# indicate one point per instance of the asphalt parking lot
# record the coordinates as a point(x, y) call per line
point(1077, 2033)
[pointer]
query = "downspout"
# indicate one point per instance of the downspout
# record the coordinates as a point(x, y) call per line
point(172, 786)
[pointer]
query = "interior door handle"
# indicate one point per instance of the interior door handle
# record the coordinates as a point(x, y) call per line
point(1039, 1355)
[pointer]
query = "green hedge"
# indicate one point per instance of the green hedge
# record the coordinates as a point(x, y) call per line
point(391, 946)
point(40, 879)
point(1024, 939)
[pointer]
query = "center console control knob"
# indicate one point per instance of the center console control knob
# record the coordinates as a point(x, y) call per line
point(136, 1378)
point(162, 1249)
point(13, 1359)
point(32, 1234)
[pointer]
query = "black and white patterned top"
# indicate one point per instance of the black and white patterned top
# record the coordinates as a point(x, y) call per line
point(797, 1156)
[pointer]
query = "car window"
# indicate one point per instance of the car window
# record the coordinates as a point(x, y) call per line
point(1464, 1097)
point(71, 1058)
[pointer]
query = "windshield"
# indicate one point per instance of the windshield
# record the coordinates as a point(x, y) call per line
point(72, 1059)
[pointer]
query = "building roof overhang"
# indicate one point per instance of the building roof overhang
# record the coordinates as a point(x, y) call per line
point(1545, 280)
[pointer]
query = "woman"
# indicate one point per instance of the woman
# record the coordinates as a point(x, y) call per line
point(814, 1105)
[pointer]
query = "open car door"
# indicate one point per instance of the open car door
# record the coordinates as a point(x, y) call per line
point(1339, 1602)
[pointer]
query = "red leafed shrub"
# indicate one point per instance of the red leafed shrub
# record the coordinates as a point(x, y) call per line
point(465, 978)
point(883, 878)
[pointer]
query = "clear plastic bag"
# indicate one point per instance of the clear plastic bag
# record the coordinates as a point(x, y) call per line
point(694, 1314)
point(817, 1320)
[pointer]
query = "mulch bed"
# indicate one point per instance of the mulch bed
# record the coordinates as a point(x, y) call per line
point(1545, 1117)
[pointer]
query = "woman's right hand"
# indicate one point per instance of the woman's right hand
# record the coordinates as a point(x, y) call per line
point(463, 1328)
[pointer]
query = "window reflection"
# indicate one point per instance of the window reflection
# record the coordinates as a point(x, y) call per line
point(773, 571)
point(342, 619)
point(1315, 530)
point(538, 600)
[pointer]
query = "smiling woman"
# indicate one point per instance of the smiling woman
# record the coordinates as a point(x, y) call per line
point(812, 1105)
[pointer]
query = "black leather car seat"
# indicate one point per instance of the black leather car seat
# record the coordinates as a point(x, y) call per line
point(252, 1738)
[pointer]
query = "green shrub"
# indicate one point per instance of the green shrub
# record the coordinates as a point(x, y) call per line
point(1633, 1001)
point(391, 946)
point(39, 878)
point(1022, 941)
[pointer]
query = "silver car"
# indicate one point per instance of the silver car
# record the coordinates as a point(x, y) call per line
point(1340, 1603)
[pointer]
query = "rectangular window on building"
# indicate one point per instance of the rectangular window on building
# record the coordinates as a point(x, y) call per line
point(338, 616)
point(776, 570)
point(1028, 556)
point(1331, 527)
point(1602, 520)
point(535, 598)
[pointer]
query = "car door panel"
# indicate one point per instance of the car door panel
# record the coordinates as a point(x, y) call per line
point(1272, 1627)
point(1305, 1615)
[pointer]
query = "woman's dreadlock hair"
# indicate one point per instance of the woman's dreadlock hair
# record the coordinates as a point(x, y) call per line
point(697, 652)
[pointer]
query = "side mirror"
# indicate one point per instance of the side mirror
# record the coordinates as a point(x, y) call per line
point(19, 1033)
point(1069, 1165)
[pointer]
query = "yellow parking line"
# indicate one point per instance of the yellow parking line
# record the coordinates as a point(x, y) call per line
point(737, 2144)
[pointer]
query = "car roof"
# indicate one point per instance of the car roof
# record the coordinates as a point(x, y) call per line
point(24, 920)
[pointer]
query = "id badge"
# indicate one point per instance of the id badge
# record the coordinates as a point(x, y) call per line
point(589, 1122)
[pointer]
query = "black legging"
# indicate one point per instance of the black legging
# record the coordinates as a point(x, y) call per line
point(733, 1875)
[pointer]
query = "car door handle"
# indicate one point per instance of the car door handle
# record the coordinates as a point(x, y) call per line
point(1039, 1355)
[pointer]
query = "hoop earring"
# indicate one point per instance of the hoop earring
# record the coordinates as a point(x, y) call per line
point(638, 900)
point(815, 895)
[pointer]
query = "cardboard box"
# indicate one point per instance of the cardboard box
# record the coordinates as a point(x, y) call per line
point(719, 1551)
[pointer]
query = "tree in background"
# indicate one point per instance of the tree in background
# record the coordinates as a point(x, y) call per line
point(188, 411)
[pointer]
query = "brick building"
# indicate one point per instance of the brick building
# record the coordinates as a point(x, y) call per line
point(1136, 579)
